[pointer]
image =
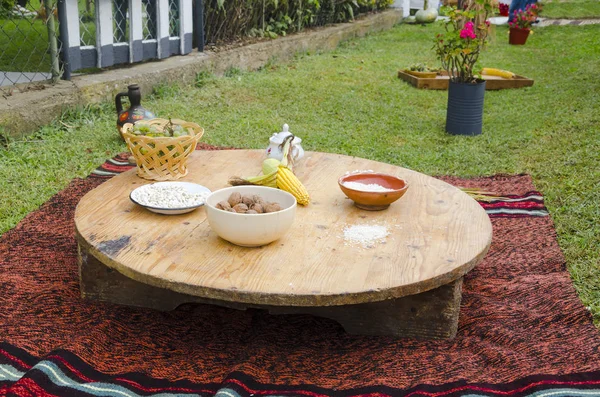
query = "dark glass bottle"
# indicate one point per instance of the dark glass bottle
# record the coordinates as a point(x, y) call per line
point(136, 111)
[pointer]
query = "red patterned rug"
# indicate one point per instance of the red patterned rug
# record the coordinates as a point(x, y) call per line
point(522, 331)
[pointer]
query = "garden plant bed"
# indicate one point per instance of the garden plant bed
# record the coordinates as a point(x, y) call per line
point(440, 82)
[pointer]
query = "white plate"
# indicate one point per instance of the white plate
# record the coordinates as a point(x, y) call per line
point(190, 187)
point(498, 20)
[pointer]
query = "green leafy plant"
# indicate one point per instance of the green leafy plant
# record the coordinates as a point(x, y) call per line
point(232, 19)
point(6, 7)
point(306, 13)
point(203, 78)
point(422, 67)
point(459, 47)
point(232, 72)
point(5, 139)
point(373, 5)
point(164, 90)
point(275, 28)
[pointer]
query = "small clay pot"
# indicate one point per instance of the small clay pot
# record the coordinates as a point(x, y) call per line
point(369, 200)
point(518, 36)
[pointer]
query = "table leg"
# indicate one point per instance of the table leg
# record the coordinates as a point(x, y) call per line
point(431, 314)
point(100, 282)
point(103, 283)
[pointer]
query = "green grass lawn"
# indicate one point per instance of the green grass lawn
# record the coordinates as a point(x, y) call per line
point(574, 9)
point(350, 101)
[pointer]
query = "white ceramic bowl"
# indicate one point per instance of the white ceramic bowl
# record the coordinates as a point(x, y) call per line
point(251, 230)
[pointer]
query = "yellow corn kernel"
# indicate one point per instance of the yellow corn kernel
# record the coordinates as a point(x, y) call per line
point(286, 180)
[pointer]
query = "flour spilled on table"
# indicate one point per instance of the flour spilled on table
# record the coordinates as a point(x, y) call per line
point(366, 235)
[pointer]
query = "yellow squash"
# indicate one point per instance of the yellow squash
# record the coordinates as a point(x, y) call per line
point(498, 72)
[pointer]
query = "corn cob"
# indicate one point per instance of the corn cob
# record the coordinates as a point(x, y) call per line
point(286, 180)
point(279, 175)
point(498, 72)
point(269, 180)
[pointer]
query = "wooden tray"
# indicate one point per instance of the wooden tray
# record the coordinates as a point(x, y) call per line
point(421, 75)
point(440, 82)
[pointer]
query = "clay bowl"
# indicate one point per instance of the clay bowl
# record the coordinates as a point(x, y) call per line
point(366, 198)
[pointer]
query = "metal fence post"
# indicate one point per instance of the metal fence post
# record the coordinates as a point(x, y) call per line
point(64, 39)
point(52, 40)
point(199, 24)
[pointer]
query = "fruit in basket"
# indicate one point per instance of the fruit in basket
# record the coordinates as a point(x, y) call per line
point(169, 130)
point(160, 147)
point(278, 174)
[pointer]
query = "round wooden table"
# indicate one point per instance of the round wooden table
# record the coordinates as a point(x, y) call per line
point(407, 285)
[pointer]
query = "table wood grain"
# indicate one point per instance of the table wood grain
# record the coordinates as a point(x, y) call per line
point(437, 234)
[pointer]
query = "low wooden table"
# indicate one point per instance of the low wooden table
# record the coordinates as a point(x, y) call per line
point(409, 285)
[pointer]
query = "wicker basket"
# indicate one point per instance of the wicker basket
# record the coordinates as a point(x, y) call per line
point(162, 158)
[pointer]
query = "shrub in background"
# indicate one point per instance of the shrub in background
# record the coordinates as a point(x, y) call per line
point(6, 7)
point(373, 5)
point(228, 20)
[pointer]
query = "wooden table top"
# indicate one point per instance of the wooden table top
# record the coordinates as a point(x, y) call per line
point(437, 234)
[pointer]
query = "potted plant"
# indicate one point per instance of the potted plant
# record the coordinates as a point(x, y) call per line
point(503, 9)
point(458, 49)
point(422, 71)
point(520, 24)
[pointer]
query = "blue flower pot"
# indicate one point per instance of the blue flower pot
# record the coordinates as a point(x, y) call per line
point(465, 108)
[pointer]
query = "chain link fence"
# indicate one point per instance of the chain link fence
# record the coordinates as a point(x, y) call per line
point(30, 43)
point(121, 17)
point(29, 46)
point(87, 23)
